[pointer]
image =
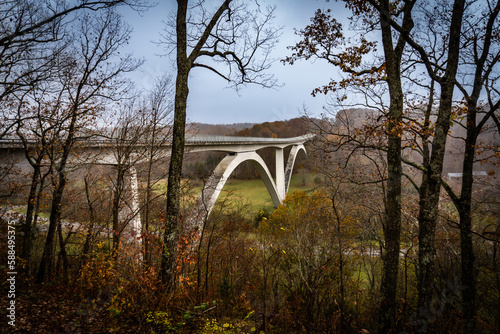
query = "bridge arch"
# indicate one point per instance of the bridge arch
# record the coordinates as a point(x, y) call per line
point(217, 180)
point(292, 156)
point(215, 183)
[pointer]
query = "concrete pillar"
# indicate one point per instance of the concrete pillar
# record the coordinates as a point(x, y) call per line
point(280, 173)
point(136, 220)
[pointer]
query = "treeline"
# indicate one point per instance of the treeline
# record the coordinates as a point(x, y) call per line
point(279, 129)
point(217, 129)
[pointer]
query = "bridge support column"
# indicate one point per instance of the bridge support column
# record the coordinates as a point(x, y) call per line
point(280, 173)
point(136, 220)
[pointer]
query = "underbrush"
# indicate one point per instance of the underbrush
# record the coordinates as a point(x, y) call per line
point(299, 269)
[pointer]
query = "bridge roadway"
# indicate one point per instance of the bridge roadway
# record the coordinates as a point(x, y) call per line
point(239, 149)
point(196, 143)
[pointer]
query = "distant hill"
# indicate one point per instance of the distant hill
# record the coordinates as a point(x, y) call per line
point(487, 141)
point(486, 144)
point(279, 129)
point(217, 129)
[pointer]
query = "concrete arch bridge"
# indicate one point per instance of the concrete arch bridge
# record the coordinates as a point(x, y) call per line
point(238, 149)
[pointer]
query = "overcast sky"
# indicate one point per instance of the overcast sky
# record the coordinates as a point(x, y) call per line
point(210, 101)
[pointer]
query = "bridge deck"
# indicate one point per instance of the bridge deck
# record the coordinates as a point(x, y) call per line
point(203, 140)
point(193, 142)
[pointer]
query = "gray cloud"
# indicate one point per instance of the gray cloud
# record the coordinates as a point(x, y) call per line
point(209, 100)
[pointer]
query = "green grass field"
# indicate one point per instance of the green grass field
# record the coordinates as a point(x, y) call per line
point(254, 193)
point(251, 193)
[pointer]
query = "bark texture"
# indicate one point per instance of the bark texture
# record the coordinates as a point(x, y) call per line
point(431, 189)
point(392, 217)
point(172, 213)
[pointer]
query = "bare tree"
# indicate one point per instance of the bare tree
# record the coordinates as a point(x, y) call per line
point(33, 34)
point(37, 135)
point(442, 70)
point(158, 108)
point(441, 67)
point(89, 75)
point(126, 140)
point(232, 35)
point(325, 39)
point(479, 52)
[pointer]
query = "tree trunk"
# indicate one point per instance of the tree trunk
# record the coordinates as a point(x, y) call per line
point(496, 270)
point(115, 210)
point(146, 239)
point(145, 233)
point(88, 237)
point(47, 263)
point(429, 210)
point(392, 216)
point(464, 208)
point(342, 306)
point(31, 208)
point(62, 253)
point(172, 214)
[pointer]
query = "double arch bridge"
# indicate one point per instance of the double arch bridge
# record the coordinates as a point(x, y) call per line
point(238, 149)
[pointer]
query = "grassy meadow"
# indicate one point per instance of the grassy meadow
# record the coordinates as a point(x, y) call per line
point(250, 196)
point(255, 194)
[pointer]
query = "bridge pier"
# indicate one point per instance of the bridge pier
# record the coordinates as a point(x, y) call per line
point(280, 173)
point(290, 163)
point(136, 219)
point(129, 216)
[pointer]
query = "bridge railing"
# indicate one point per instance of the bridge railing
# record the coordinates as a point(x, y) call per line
point(196, 139)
